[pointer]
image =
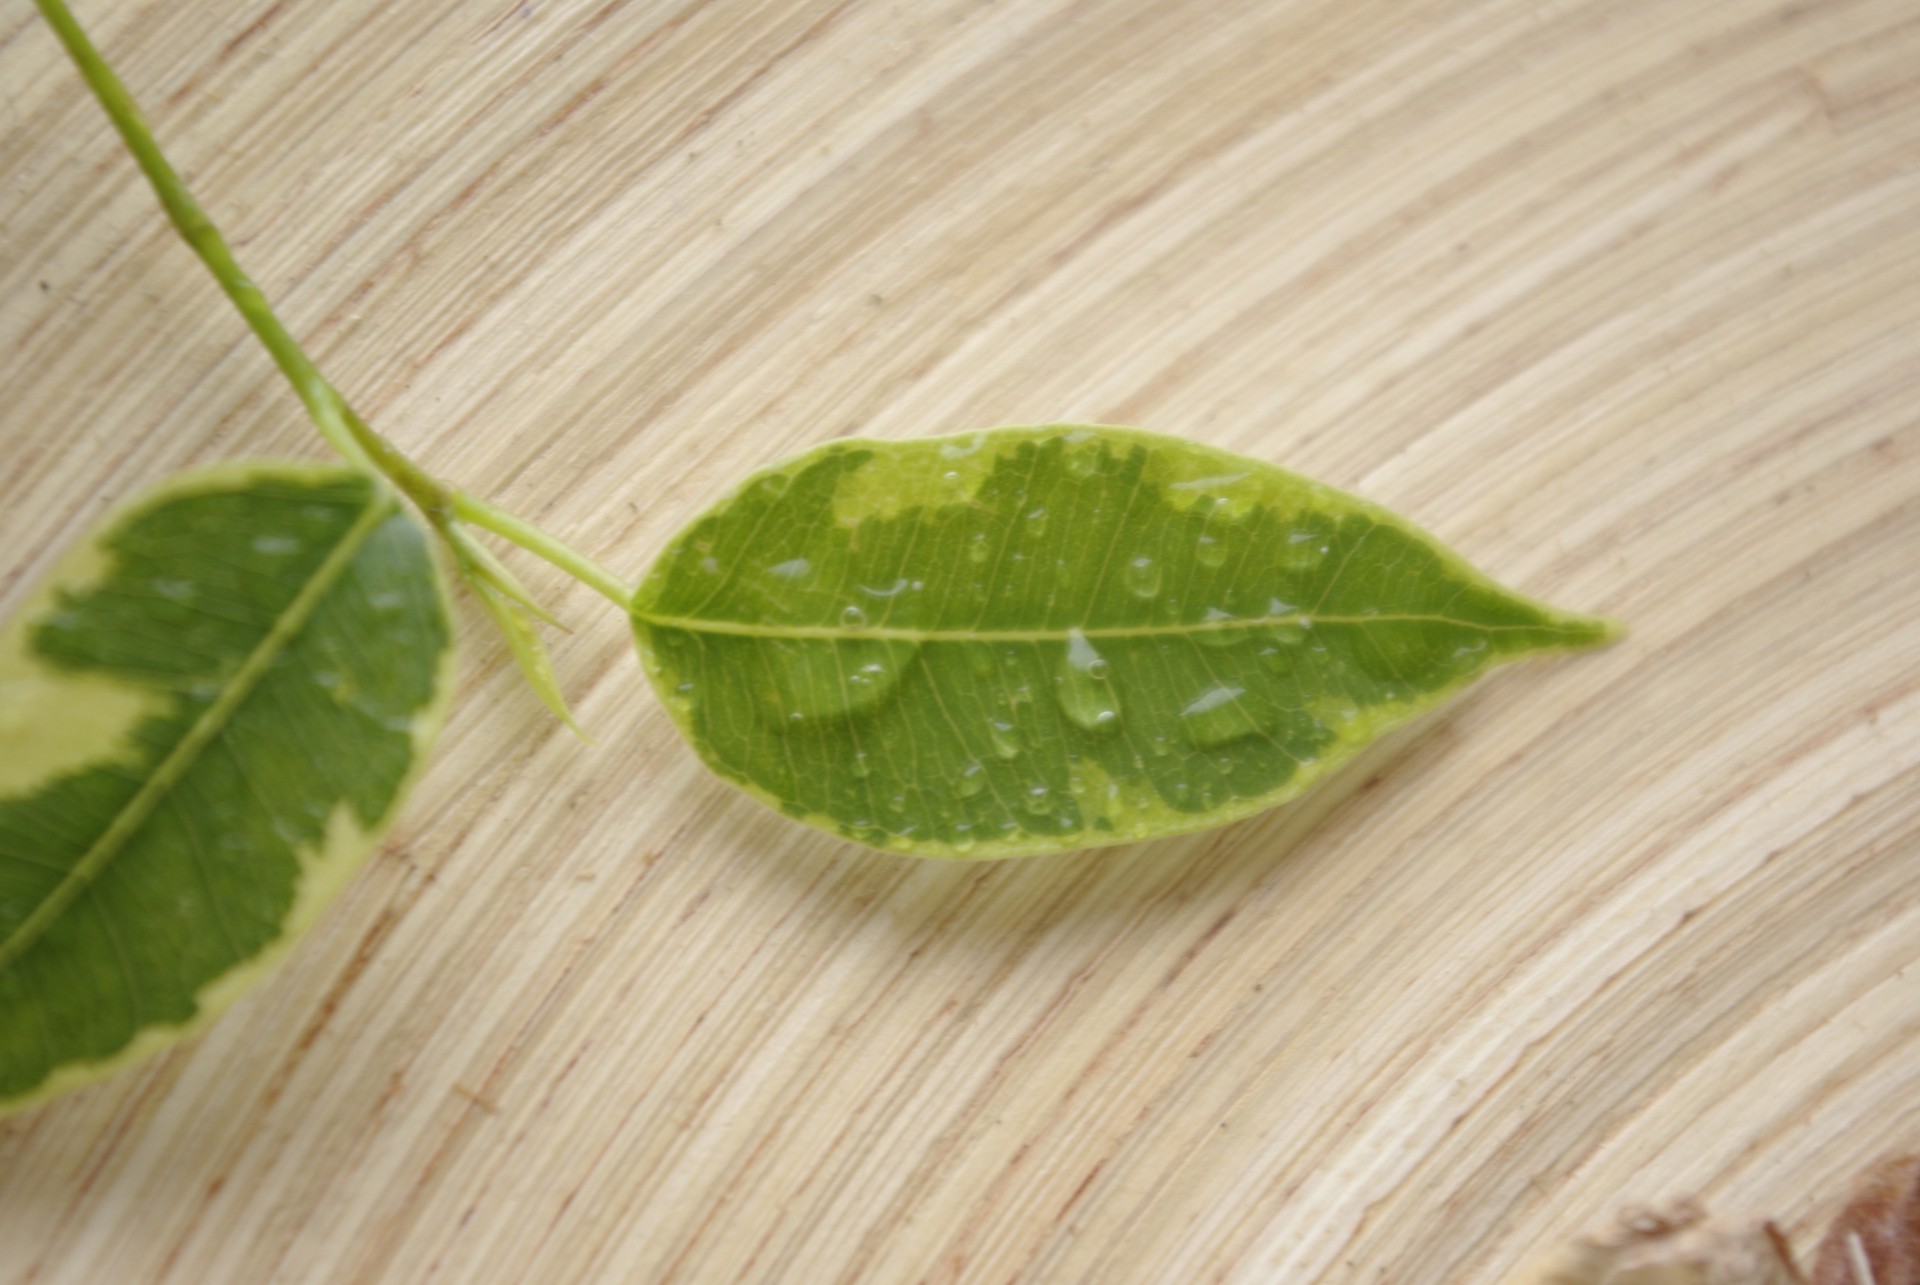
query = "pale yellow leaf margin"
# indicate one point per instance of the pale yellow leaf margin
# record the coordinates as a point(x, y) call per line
point(324, 872)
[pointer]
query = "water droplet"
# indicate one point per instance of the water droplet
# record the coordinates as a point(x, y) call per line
point(1005, 743)
point(1080, 460)
point(1288, 633)
point(953, 479)
point(1473, 648)
point(1218, 715)
point(1303, 549)
point(853, 618)
point(1160, 746)
point(1222, 634)
point(1143, 576)
point(1080, 683)
point(775, 484)
point(1037, 521)
point(840, 679)
point(962, 838)
point(1211, 699)
point(1082, 656)
point(961, 447)
point(279, 546)
point(862, 765)
point(176, 590)
point(1211, 553)
point(977, 547)
point(791, 569)
point(710, 565)
point(1038, 800)
point(893, 590)
point(972, 780)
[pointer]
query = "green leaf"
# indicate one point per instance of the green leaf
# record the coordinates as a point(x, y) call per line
point(208, 713)
point(1036, 639)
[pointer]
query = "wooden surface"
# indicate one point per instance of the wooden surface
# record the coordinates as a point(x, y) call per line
point(1620, 297)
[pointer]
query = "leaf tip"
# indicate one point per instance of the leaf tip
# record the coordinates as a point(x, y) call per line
point(1609, 630)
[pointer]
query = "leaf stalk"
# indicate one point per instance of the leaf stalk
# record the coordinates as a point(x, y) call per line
point(351, 436)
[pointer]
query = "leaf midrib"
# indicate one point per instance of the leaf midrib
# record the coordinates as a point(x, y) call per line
point(167, 773)
point(882, 633)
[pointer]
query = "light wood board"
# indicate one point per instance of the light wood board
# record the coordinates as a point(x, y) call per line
point(1619, 297)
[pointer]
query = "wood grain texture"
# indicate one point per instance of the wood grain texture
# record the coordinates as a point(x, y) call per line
point(1620, 297)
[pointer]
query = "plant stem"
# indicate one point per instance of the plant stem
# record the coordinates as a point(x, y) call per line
point(490, 517)
point(338, 423)
point(328, 409)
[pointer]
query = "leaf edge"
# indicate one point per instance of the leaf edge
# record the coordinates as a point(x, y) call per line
point(217, 996)
point(1603, 631)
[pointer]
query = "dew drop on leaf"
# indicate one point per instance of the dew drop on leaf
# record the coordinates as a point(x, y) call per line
point(1303, 550)
point(1218, 715)
point(1143, 576)
point(856, 676)
point(1221, 634)
point(1080, 683)
point(791, 569)
point(1288, 633)
point(1080, 460)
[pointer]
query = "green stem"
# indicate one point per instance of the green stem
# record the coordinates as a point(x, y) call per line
point(338, 423)
point(327, 408)
point(469, 508)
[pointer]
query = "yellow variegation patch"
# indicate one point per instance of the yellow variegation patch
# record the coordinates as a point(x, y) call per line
point(267, 652)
